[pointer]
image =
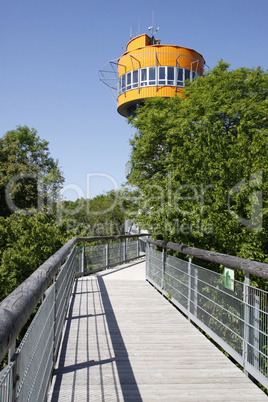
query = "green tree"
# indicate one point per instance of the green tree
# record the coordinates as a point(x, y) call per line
point(25, 243)
point(199, 163)
point(30, 181)
point(29, 177)
point(102, 215)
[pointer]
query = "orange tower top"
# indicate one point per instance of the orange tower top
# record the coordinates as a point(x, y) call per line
point(148, 69)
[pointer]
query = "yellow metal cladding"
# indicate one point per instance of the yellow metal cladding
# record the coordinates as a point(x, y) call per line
point(139, 41)
point(140, 55)
point(144, 93)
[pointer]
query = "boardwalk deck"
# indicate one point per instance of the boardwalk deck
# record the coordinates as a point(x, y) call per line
point(124, 342)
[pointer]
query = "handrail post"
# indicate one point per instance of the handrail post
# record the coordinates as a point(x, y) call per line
point(125, 250)
point(83, 260)
point(193, 289)
point(163, 269)
point(189, 287)
point(256, 330)
point(13, 379)
point(147, 251)
point(246, 321)
point(54, 324)
point(107, 254)
point(196, 291)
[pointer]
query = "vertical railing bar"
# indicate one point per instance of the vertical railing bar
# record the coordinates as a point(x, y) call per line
point(107, 254)
point(83, 259)
point(13, 374)
point(54, 323)
point(125, 250)
point(11, 352)
point(163, 269)
point(246, 321)
point(147, 260)
point(256, 328)
point(189, 287)
point(195, 295)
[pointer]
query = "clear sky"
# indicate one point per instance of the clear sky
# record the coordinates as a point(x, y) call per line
point(51, 52)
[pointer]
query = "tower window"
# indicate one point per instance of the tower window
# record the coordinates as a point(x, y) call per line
point(123, 86)
point(143, 76)
point(135, 78)
point(128, 80)
point(187, 74)
point(170, 75)
point(162, 76)
point(151, 75)
point(180, 77)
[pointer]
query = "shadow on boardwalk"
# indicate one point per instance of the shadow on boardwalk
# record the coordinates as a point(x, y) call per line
point(126, 377)
point(93, 362)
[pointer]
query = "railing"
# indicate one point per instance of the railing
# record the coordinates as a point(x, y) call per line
point(27, 375)
point(234, 314)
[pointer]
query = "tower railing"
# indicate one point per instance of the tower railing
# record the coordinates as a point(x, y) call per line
point(46, 294)
point(232, 313)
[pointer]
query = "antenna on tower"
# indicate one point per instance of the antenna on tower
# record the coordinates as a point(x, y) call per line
point(151, 28)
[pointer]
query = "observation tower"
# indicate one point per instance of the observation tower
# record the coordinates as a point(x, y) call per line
point(148, 69)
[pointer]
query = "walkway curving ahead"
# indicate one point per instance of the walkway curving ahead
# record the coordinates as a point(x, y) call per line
point(123, 341)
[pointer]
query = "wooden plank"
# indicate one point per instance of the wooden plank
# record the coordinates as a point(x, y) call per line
point(125, 342)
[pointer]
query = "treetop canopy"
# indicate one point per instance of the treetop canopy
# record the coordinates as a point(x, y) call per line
point(199, 163)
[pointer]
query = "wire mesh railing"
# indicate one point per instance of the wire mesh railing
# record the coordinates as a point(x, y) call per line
point(46, 294)
point(235, 317)
point(103, 254)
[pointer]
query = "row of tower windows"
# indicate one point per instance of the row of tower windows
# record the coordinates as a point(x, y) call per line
point(161, 75)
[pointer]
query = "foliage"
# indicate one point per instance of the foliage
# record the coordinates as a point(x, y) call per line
point(102, 215)
point(199, 163)
point(30, 180)
point(25, 243)
point(29, 177)
point(30, 231)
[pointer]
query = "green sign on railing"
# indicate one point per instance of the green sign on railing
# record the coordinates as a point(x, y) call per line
point(229, 278)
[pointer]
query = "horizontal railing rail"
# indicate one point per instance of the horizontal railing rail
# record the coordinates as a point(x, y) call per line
point(251, 267)
point(233, 313)
point(27, 374)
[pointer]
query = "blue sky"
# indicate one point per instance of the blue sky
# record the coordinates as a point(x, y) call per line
point(51, 52)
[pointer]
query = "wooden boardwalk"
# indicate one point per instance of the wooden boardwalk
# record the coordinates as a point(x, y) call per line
point(123, 341)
